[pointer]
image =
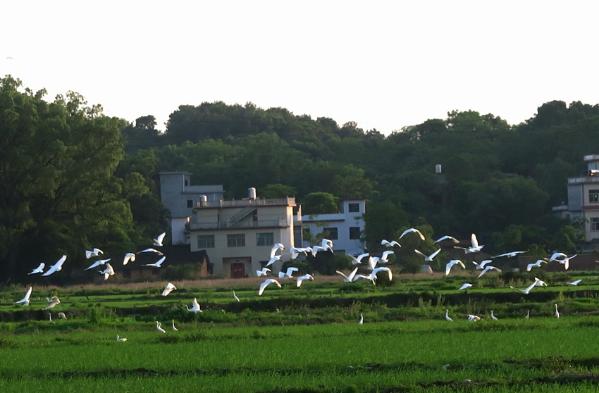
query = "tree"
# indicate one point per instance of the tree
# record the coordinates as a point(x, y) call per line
point(319, 203)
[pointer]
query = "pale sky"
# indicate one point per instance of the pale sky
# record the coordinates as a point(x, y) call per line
point(383, 64)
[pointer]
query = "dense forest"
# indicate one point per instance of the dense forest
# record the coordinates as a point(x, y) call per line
point(74, 177)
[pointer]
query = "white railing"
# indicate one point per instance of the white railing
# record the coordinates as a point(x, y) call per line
point(250, 202)
point(280, 223)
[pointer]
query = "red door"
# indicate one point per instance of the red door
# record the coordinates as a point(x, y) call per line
point(237, 270)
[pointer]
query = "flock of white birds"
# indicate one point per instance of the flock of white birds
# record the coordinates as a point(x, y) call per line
point(277, 254)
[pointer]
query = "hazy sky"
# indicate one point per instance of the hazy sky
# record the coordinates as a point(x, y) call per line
point(383, 64)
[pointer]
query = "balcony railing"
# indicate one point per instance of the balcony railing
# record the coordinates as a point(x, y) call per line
point(280, 223)
point(248, 202)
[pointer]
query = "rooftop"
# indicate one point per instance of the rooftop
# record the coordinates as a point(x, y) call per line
point(247, 203)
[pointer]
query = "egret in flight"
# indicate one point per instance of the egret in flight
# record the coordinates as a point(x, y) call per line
point(266, 283)
point(38, 270)
point(25, 300)
point(412, 230)
point(168, 289)
point(157, 264)
point(159, 239)
point(56, 267)
point(451, 264)
point(195, 306)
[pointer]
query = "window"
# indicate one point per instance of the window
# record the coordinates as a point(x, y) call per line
point(236, 240)
point(189, 203)
point(206, 241)
point(354, 233)
point(594, 224)
point(265, 239)
point(354, 208)
point(331, 233)
point(593, 196)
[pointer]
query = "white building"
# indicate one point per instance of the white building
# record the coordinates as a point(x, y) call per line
point(345, 228)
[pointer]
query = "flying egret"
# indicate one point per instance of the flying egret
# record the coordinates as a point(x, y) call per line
point(474, 246)
point(385, 256)
point(350, 277)
point(289, 273)
point(556, 312)
point(382, 269)
point(536, 283)
point(392, 243)
point(97, 263)
point(25, 300)
point(465, 285)
point(159, 239)
point(168, 289)
point(159, 327)
point(173, 325)
point(428, 258)
point(235, 297)
point(295, 251)
point(412, 230)
point(447, 237)
point(317, 249)
point(301, 279)
point(327, 244)
point(121, 339)
point(157, 264)
point(493, 317)
point(371, 277)
point(195, 306)
point(152, 250)
point(473, 318)
point(93, 253)
point(273, 259)
point(52, 302)
point(481, 264)
point(56, 267)
point(488, 269)
point(357, 260)
point(263, 272)
point(361, 321)
point(129, 257)
point(266, 283)
point(451, 264)
point(276, 247)
point(447, 317)
point(575, 282)
point(107, 272)
point(38, 270)
point(556, 256)
point(510, 254)
point(538, 263)
point(566, 261)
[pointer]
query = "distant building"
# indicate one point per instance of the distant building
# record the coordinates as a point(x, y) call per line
point(180, 197)
point(583, 199)
point(239, 234)
point(345, 228)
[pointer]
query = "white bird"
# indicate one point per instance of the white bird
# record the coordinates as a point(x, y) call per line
point(538, 263)
point(527, 316)
point(174, 328)
point(372, 261)
point(274, 259)
point(575, 282)
point(93, 253)
point(156, 264)
point(62, 315)
point(350, 277)
point(301, 279)
point(155, 251)
point(371, 277)
point(361, 321)
point(474, 246)
point(263, 272)
point(56, 267)
point(556, 256)
point(168, 289)
point(129, 257)
point(566, 261)
point(288, 273)
point(391, 243)
point(327, 244)
point(465, 285)
point(481, 265)
point(52, 302)
point(97, 263)
point(488, 269)
point(447, 317)
point(38, 270)
point(235, 297)
point(412, 230)
point(107, 272)
point(382, 269)
point(317, 249)
point(428, 258)
point(446, 237)
point(536, 283)
point(276, 247)
point(266, 283)
point(510, 254)
point(121, 339)
point(25, 300)
point(159, 239)
point(473, 318)
point(357, 260)
point(451, 264)
point(195, 306)
point(385, 255)
point(493, 317)
point(295, 251)
point(556, 312)
point(159, 327)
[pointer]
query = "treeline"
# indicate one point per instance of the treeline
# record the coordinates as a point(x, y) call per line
point(75, 178)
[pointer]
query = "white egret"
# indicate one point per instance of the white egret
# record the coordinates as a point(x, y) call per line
point(266, 283)
point(274, 259)
point(107, 272)
point(473, 318)
point(295, 251)
point(566, 261)
point(93, 253)
point(493, 317)
point(235, 297)
point(97, 263)
point(556, 312)
point(159, 327)
point(350, 277)
point(538, 263)
point(451, 264)
point(56, 267)
point(536, 283)
point(157, 264)
point(326, 243)
point(25, 300)
point(121, 339)
point(474, 246)
point(52, 302)
point(575, 282)
point(392, 243)
point(168, 289)
point(412, 230)
point(385, 256)
point(361, 320)
point(152, 250)
point(371, 277)
point(481, 264)
point(382, 269)
point(129, 257)
point(173, 325)
point(447, 237)
point(195, 306)
point(357, 260)
point(288, 273)
point(159, 239)
point(465, 285)
point(428, 258)
point(527, 316)
point(276, 247)
point(510, 254)
point(556, 256)
point(263, 272)
point(62, 315)
point(488, 269)
point(38, 270)
point(447, 317)
point(301, 279)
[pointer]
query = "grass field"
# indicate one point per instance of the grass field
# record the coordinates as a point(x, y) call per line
point(304, 340)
